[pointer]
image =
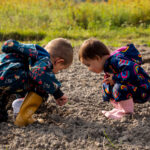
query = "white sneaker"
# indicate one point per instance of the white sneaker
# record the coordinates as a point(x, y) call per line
point(16, 106)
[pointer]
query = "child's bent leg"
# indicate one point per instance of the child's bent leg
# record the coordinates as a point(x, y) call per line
point(3, 111)
point(107, 96)
point(114, 110)
point(3, 115)
point(107, 92)
point(123, 106)
point(31, 103)
point(126, 107)
point(16, 108)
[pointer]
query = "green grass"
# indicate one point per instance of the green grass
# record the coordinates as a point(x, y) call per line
point(115, 23)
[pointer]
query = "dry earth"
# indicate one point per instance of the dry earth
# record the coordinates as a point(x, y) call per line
point(79, 125)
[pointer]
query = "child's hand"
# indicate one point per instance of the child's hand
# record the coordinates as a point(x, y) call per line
point(62, 101)
point(109, 80)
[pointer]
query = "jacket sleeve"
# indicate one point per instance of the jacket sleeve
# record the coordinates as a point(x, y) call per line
point(126, 70)
point(41, 73)
point(12, 46)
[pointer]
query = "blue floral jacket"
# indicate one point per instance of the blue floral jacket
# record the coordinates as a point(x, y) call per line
point(25, 67)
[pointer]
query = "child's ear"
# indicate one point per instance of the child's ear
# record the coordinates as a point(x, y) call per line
point(97, 57)
point(59, 60)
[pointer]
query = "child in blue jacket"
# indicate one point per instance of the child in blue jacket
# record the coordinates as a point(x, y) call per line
point(28, 69)
point(125, 81)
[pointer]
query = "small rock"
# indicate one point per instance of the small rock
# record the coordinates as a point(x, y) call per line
point(124, 138)
point(97, 143)
point(40, 120)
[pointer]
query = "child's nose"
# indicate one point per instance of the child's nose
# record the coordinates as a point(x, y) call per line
point(90, 69)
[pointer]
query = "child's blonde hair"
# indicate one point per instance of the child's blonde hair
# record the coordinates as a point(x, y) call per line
point(61, 48)
point(92, 48)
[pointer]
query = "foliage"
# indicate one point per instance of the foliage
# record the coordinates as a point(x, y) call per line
point(43, 20)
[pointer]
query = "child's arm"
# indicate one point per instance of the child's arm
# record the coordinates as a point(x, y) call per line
point(42, 74)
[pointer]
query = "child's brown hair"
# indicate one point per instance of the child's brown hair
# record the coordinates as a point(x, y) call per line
point(92, 48)
point(61, 48)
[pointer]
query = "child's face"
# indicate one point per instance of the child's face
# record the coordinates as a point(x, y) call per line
point(94, 65)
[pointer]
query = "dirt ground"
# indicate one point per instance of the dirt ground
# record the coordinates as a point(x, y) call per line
point(80, 125)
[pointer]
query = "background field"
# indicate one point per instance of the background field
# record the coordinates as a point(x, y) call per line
point(115, 22)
